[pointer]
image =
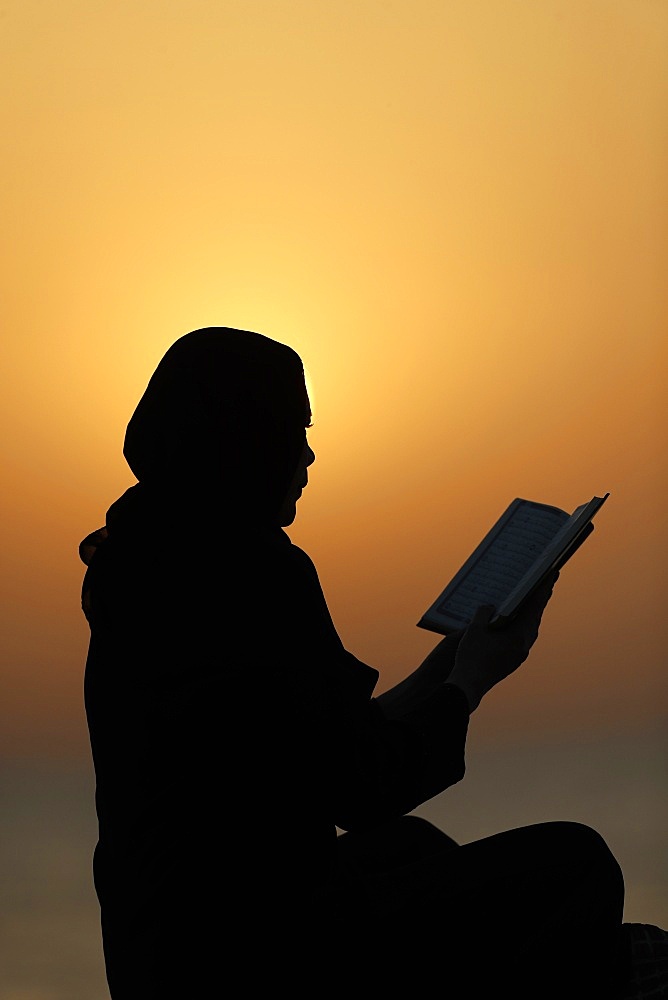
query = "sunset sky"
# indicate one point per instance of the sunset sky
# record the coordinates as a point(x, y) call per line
point(456, 212)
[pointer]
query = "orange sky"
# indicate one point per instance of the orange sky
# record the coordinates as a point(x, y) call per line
point(456, 212)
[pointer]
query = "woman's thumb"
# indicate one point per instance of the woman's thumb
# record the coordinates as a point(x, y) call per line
point(483, 615)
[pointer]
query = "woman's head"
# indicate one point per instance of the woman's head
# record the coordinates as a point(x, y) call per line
point(223, 417)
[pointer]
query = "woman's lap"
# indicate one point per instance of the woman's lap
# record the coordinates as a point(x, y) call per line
point(538, 901)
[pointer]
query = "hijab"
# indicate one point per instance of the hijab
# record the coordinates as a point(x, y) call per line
point(214, 440)
point(225, 410)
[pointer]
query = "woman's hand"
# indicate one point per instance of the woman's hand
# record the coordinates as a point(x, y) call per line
point(439, 663)
point(484, 655)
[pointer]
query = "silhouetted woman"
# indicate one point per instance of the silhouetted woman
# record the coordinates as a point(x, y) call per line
point(232, 734)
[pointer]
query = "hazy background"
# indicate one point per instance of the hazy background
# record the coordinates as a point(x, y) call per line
point(457, 213)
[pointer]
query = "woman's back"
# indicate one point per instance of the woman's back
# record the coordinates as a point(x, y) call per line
point(210, 715)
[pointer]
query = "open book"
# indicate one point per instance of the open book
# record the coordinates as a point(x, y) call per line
point(528, 542)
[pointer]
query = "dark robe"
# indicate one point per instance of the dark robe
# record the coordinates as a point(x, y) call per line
point(231, 731)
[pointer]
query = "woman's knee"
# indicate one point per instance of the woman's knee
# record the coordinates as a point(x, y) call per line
point(585, 849)
point(424, 834)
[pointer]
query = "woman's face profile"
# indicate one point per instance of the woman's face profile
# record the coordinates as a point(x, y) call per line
point(288, 510)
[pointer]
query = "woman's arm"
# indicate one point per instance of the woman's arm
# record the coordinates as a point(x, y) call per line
point(434, 670)
point(474, 659)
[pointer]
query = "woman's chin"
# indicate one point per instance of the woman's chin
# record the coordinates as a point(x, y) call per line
point(287, 514)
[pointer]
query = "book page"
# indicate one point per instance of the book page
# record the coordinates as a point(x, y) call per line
point(576, 527)
point(502, 563)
